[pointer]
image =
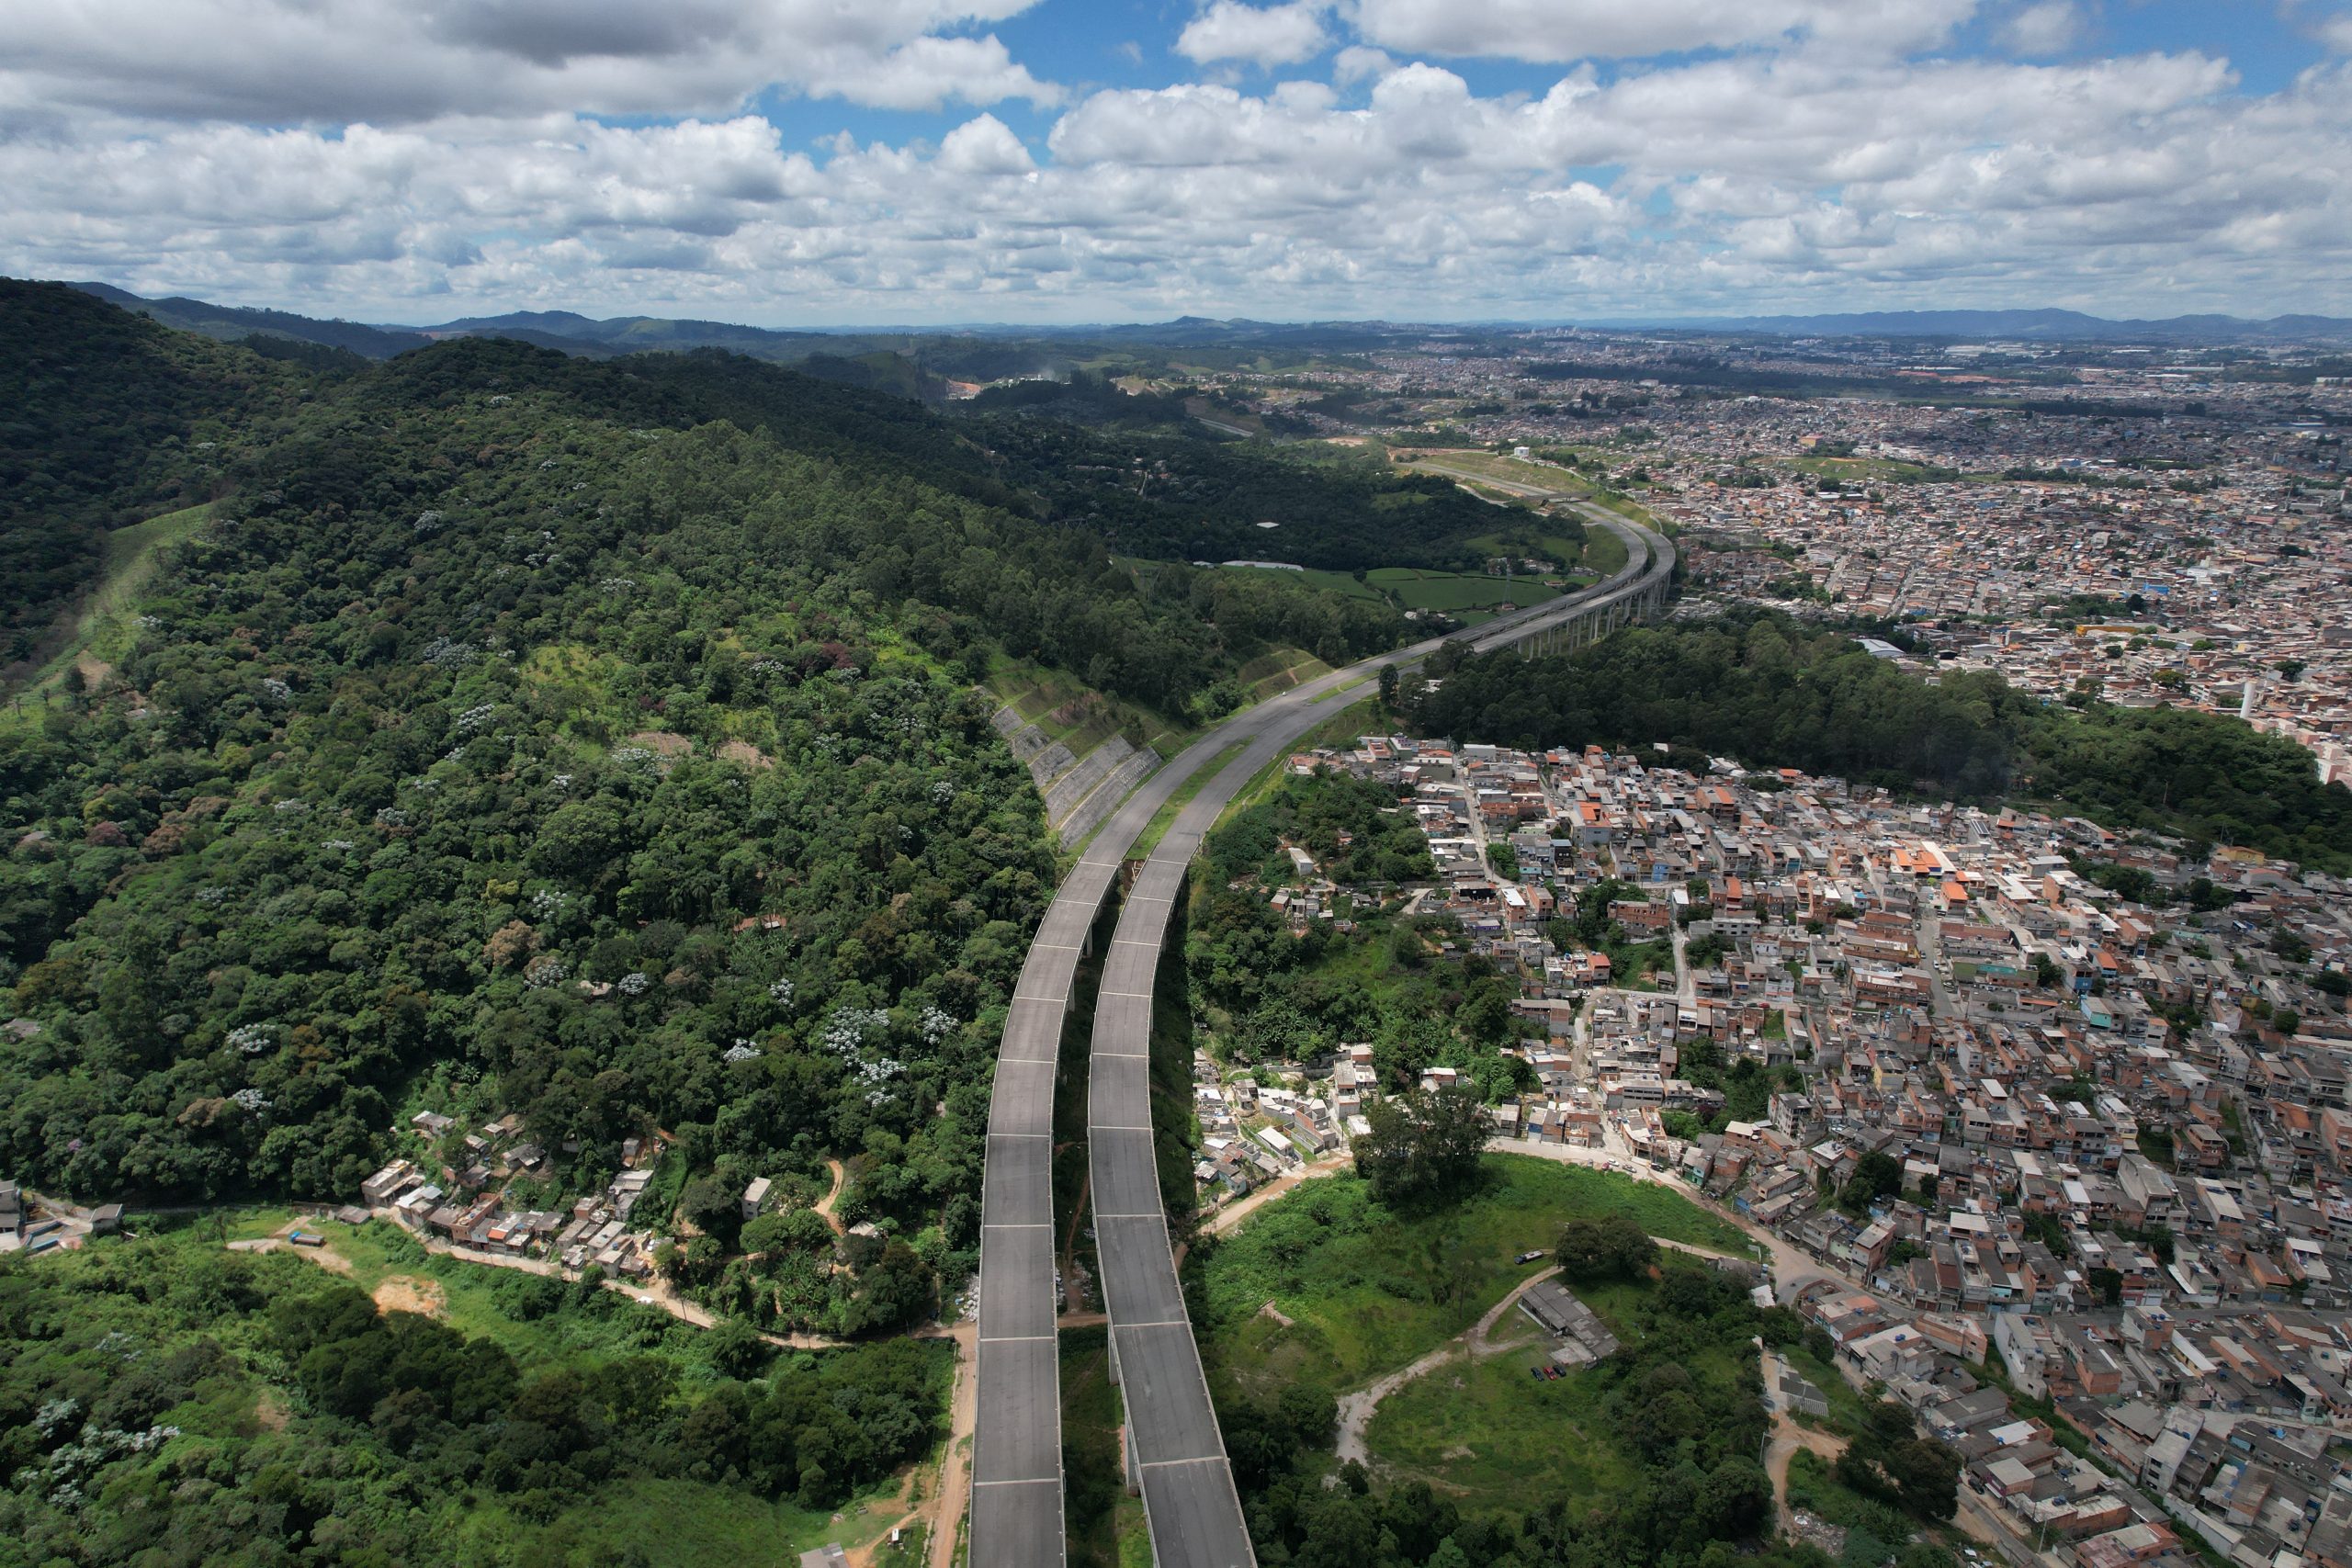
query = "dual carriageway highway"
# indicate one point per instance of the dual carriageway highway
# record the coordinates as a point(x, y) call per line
point(1175, 1451)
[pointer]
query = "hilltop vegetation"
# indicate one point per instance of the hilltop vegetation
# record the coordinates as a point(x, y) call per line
point(107, 418)
point(1143, 478)
point(1647, 1456)
point(1759, 687)
point(166, 1401)
point(587, 739)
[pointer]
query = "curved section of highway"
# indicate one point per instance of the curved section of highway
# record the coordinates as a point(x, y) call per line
point(1174, 1448)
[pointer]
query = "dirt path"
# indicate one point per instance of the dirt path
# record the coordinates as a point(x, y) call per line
point(327, 1258)
point(1787, 1438)
point(406, 1292)
point(831, 1200)
point(954, 1467)
point(1356, 1409)
point(1233, 1213)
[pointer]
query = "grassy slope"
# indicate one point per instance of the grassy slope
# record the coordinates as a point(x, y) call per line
point(1605, 552)
point(1165, 817)
point(644, 1516)
point(102, 630)
point(1341, 583)
point(1360, 1302)
point(1500, 1441)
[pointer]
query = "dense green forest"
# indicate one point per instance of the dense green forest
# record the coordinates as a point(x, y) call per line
point(1134, 472)
point(587, 739)
point(165, 1401)
point(107, 418)
point(1761, 688)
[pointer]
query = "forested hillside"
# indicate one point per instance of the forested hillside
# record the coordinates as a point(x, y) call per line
point(1761, 688)
point(1145, 478)
point(106, 418)
point(592, 740)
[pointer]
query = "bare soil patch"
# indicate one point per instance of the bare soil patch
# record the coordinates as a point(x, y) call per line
point(406, 1292)
point(743, 751)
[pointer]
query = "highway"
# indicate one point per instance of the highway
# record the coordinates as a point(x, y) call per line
point(1175, 1449)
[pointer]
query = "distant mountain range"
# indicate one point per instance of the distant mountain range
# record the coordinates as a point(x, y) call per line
point(2031, 326)
point(229, 323)
point(843, 350)
point(564, 330)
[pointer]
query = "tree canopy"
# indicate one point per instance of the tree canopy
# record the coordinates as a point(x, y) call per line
point(1424, 1145)
point(1759, 687)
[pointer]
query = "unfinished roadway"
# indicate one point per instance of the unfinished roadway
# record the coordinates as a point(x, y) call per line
point(1175, 1452)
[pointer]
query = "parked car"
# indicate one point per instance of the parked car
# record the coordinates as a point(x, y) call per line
point(1531, 1257)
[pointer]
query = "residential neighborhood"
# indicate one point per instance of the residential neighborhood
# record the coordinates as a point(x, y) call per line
point(2064, 1172)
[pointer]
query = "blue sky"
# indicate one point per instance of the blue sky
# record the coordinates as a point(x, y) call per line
point(929, 161)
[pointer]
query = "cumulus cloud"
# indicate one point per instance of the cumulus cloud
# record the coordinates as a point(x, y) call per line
point(984, 146)
point(1267, 35)
point(1358, 62)
point(1769, 175)
point(1557, 31)
point(335, 61)
point(2045, 28)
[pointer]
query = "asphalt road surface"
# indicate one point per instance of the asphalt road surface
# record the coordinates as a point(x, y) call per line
point(1189, 1496)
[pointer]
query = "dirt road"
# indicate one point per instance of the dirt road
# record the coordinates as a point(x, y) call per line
point(1233, 1213)
point(955, 1465)
point(831, 1200)
point(1475, 1342)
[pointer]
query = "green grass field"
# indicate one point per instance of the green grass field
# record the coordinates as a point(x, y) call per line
point(1605, 552)
point(1500, 1442)
point(1496, 465)
point(1470, 595)
point(645, 1520)
point(1495, 1441)
point(1368, 1291)
point(1455, 592)
point(1530, 541)
point(1340, 582)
